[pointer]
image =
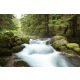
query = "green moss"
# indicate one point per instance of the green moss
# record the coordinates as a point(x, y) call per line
point(72, 45)
point(62, 48)
point(17, 49)
point(58, 37)
point(59, 43)
point(77, 49)
point(69, 53)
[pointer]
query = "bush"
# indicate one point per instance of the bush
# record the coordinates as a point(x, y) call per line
point(10, 34)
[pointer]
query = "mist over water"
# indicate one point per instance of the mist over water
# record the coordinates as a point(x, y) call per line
point(39, 54)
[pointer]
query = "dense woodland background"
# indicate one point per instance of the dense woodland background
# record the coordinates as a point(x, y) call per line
point(63, 29)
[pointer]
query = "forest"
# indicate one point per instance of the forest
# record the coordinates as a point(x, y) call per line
point(62, 29)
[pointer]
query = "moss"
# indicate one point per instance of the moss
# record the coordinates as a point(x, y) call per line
point(17, 49)
point(69, 53)
point(58, 37)
point(59, 43)
point(25, 39)
point(77, 49)
point(62, 48)
point(3, 62)
point(5, 52)
point(72, 45)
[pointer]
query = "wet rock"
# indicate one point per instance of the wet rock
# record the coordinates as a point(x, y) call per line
point(4, 61)
point(20, 63)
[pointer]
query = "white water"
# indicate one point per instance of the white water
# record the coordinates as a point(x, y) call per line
point(38, 54)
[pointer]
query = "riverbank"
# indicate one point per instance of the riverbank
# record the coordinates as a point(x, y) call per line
point(70, 50)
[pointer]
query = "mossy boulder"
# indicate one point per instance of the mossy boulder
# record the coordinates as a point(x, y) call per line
point(5, 52)
point(62, 48)
point(3, 62)
point(58, 37)
point(69, 53)
point(17, 49)
point(77, 49)
point(72, 45)
point(25, 39)
point(59, 43)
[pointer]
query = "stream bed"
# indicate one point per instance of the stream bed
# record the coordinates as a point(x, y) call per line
point(39, 53)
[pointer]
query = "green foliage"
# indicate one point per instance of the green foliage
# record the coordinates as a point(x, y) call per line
point(34, 24)
point(6, 21)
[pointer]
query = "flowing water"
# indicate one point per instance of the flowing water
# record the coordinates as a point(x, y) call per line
point(39, 53)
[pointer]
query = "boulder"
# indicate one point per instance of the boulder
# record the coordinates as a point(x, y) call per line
point(5, 52)
point(4, 60)
point(17, 49)
point(77, 50)
point(57, 37)
point(59, 43)
point(20, 63)
point(72, 45)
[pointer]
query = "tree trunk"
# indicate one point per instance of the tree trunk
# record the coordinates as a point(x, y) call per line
point(65, 31)
point(46, 25)
point(73, 25)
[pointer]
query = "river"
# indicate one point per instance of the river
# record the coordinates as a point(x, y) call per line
point(39, 53)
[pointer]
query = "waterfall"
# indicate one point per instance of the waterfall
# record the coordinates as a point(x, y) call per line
point(39, 54)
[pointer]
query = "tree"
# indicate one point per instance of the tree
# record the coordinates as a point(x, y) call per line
point(35, 24)
point(46, 25)
point(6, 21)
point(73, 24)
